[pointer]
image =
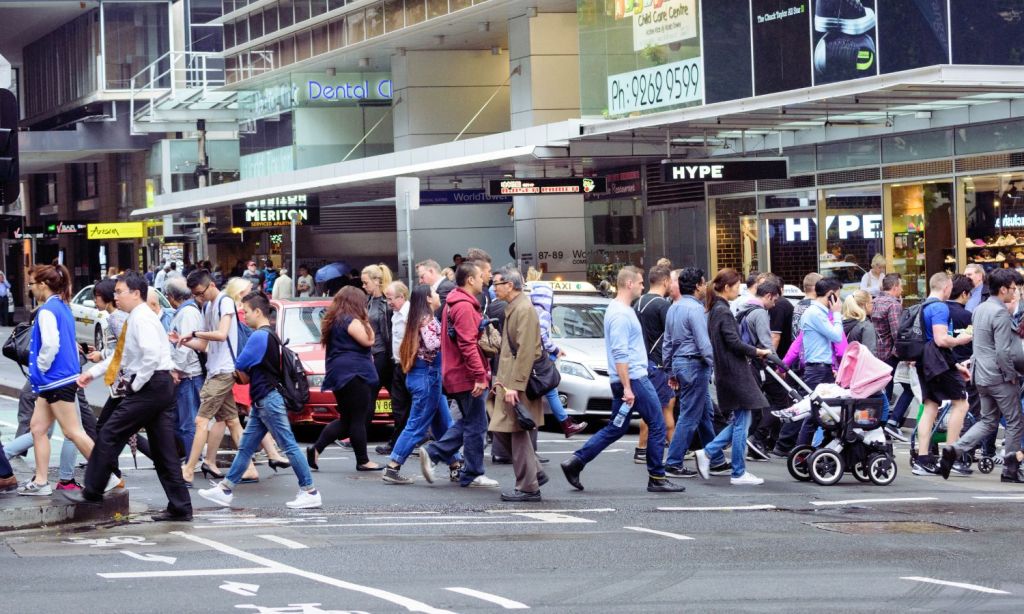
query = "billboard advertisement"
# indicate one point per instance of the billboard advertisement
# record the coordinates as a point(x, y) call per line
point(781, 31)
point(844, 40)
point(911, 34)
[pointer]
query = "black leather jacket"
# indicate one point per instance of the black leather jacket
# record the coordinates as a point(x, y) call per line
point(380, 320)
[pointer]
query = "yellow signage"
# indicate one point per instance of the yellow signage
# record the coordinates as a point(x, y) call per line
point(118, 230)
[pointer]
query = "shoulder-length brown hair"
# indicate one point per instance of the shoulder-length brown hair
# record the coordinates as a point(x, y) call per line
point(55, 276)
point(349, 301)
point(724, 279)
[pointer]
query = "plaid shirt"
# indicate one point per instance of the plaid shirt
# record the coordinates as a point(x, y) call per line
point(886, 318)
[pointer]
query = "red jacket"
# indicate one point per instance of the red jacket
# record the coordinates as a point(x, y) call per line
point(462, 360)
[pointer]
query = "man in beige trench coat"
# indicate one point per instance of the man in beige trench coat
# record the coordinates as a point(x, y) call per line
point(521, 333)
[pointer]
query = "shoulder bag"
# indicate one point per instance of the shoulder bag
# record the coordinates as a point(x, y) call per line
point(544, 376)
point(17, 345)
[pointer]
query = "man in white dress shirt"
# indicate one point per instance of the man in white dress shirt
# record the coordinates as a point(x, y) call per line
point(142, 366)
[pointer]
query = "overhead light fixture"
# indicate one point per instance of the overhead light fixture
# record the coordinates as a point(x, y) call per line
point(364, 62)
point(331, 71)
point(484, 26)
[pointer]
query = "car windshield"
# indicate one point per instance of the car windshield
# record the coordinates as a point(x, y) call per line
point(578, 321)
point(302, 324)
point(845, 273)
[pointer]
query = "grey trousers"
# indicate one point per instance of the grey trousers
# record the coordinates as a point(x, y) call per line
point(500, 449)
point(524, 459)
point(999, 400)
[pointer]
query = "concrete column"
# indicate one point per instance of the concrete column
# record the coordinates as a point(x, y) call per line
point(442, 90)
point(550, 234)
point(546, 49)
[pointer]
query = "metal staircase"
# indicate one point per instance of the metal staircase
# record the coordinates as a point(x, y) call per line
point(181, 88)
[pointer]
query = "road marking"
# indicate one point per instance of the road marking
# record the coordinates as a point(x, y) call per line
point(853, 501)
point(555, 518)
point(574, 452)
point(508, 604)
point(539, 517)
point(662, 533)
point(566, 511)
point(240, 588)
point(406, 602)
point(722, 508)
point(292, 545)
point(963, 585)
point(186, 573)
point(152, 558)
point(1001, 498)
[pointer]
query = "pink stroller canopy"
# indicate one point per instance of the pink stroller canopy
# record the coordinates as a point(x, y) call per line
point(862, 373)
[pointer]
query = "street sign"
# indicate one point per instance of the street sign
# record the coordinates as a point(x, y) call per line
point(547, 186)
point(725, 170)
point(117, 230)
point(9, 185)
point(246, 216)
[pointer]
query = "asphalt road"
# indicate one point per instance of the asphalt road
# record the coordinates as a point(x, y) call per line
point(783, 546)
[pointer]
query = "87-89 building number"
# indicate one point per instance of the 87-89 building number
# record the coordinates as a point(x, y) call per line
point(656, 87)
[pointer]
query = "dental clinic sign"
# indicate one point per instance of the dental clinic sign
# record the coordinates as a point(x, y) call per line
point(318, 89)
point(867, 226)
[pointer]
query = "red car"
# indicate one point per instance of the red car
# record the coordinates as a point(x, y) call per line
point(297, 322)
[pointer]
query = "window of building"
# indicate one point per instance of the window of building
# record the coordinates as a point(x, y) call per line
point(789, 234)
point(318, 7)
point(728, 231)
point(922, 233)
point(917, 146)
point(301, 10)
point(394, 15)
point(84, 181)
point(44, 190)
point(374, 16)
point(320, 39)
point(303, 45)
point(436, 8)
point(356, 33)
point(853, 233)
point(255, 25)
point(848, 154)
point(286, 13)
point(415, 11)
point(337, 35)
point(136, 35)
point(995, 219)
point(270, 20)
point(614, 236)
point(988, 138)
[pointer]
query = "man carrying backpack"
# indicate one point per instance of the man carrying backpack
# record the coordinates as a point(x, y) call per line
point(263, 364)
point(755, 329)
point(940, 376)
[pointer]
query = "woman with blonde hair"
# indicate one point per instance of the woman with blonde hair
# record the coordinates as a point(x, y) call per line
point(375, 278)
point(857, 320)
point(872, 280)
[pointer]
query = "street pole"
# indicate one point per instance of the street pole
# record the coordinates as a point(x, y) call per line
point(294, 215)
point(202, 180)
point(408, 238)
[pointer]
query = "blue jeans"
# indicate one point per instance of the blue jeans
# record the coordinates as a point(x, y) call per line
point(696, 411)
point(429, 409)
point(735, 432)
point(557, 410)
point(268, 415)
point(899, 411)
point(648, 407)
point(468, 433)
point(188, 408)
point(68, 451)
point(5, 467)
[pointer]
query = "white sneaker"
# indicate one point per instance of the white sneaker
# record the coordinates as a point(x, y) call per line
point(217, 495)
point(427, 466)
point(747, 479)
point(31, 489)
point(305, 500)
point(482, 481)
point(703, 464)
point(112, 482)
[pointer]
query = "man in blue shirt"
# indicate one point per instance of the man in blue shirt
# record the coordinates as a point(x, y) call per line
point(631, 388)
point(260, 363)
point(688, 355)
point(821, 325)
point(938, 373)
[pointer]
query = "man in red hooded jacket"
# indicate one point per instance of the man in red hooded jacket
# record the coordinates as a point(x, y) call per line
point(466, 377)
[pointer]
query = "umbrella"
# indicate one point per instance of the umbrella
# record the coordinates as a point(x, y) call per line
point(331, 271)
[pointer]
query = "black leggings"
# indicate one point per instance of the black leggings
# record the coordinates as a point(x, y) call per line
point(354, 400)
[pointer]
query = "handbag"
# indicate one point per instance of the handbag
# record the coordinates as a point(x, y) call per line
point(523, 417)
point(544, 376)
point(490, 341)
point(17, 345)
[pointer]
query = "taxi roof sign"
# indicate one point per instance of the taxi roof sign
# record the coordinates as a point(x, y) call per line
point(571, 286)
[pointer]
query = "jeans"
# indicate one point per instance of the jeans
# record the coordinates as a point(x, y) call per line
point(696, 411)
point(188, 409)
point(557, 410)
point(269, 415)
point(647, 405)
point(429, 409)
point(735, 432)
point(5, 467)
point(468, 433)
point(899, 411)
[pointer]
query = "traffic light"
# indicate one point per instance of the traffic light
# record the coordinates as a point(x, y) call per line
point(9, 185)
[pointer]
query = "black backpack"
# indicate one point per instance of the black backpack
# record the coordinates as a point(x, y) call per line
point(294, 386)
point(910, 339)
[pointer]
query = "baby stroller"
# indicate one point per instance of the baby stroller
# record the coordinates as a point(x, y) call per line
point(985, 464)
point(854, 441)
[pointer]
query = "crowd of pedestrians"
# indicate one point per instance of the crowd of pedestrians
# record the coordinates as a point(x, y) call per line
point(464, 363)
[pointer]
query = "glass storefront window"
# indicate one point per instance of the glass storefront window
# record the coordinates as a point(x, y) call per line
point(989, 138)
point(615, 237)
point(728, 231)
point(917, 146)
point(848, 154)
point(922, 233)
point(995, 219)
point(853, 233)
point(790, 237)
point(136, 35)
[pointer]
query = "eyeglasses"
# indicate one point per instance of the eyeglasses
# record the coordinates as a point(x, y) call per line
point(120, 291)
point(500, 283)
point(201, 292)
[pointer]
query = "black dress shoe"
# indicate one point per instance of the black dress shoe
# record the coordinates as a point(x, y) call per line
point(166, 516)
point(518, 496)
point(501, 460)
point(79, 497)
point(383, 449)
point(662, 485)
point(542, 460)
point(542, 478)
point(572, 467)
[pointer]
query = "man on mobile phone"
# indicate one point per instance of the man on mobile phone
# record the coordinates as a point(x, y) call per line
point(821, 325)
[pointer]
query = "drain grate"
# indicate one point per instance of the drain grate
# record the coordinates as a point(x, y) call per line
point(886, 527)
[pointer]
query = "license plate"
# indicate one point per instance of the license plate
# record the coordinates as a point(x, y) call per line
point(383, 406)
